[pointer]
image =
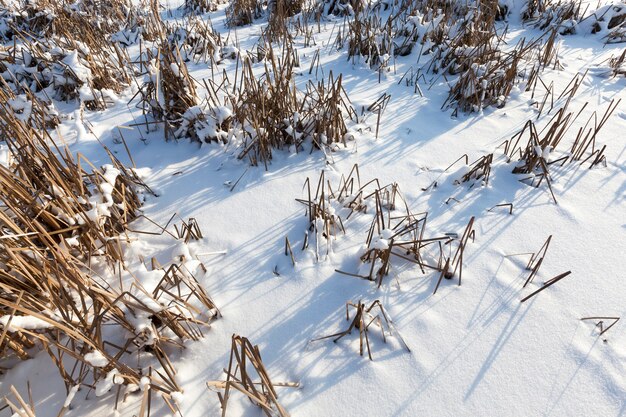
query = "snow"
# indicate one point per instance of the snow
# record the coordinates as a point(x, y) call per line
point(23, 322)
point(174, 68)
point(97, 359)
point(70, 396)
point(475, 349)
point(72, 60)
point(4, 155)
point(104, 385)
point(222, 113)
point(380, 243)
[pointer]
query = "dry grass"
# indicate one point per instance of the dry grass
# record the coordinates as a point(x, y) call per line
point(343, 7)
point(362, 321)
point(610, 20)
point(177, 87)
point(75, 61)
point(168, 93)
point(245, 368)
point(600, 323)
point(536, 260)
point(535, 155)
point(63, 220)
point(370, 37)
point(279, 17)
point(395, 233)
point(617, 65)
point(243, 12)
point(456, 39)
point(560, 15)
point(196, 40)
point(273, 114)
point(479, 171)
point(194, 7)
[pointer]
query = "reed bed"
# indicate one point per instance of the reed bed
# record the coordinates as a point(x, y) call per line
point(75, 62)
point(458, 40)
point(63, 225)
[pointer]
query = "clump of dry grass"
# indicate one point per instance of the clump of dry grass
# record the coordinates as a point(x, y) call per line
point(362, 321)
point(274, 114)
point(278, 20)
point(243, 12)
point(28, 107)
point(199, 6)
point(343, 7)
point(321, 214)
point(205, 124)
point(478, 171)
point(534, 156)
point(245, 368)
point(560, 15)
point(484, 85)
point(493, 73)
point(168, 94)
point(370, 37)
point(177, 86)
point(326, 107)
point(267, 109)
point(196, 40)
point(617, 64)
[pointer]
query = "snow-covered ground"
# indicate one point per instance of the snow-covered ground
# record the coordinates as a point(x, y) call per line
point(475, 349)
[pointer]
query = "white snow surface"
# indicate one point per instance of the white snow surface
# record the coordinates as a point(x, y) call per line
point(97, 359)
point(475, 349)
point(15, 323)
